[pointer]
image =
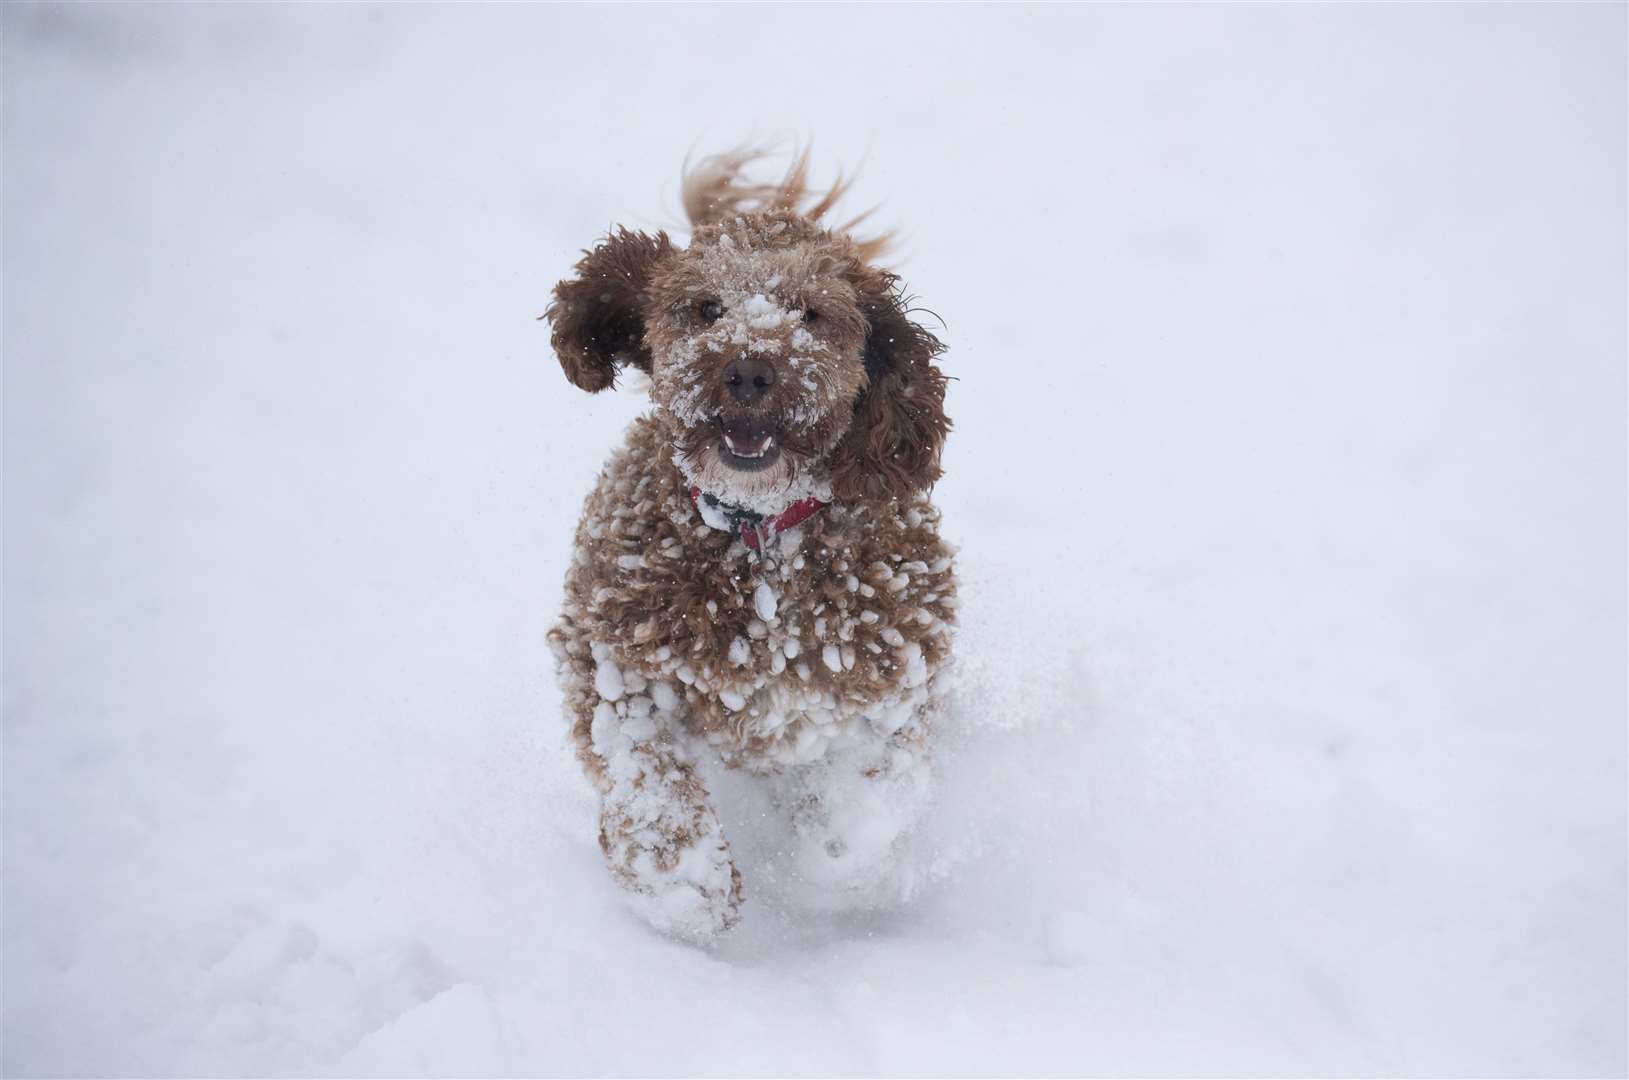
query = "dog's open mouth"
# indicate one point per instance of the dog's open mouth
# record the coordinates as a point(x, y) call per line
point(747, 442)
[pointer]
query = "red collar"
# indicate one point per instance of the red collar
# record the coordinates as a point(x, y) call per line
point(754, 527)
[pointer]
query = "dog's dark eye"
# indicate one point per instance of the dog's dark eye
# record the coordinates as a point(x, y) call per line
point(710, 310)
point(810, 315)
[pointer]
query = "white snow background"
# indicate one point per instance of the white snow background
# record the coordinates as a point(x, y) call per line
point(1288, 474)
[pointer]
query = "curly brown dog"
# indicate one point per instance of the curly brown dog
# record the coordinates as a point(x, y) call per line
point(758, 571)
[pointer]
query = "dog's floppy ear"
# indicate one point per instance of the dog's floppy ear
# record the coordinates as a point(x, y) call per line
point(892, 447)
point(598, 316)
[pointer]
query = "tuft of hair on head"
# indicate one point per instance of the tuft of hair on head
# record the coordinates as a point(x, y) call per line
point(716, 188)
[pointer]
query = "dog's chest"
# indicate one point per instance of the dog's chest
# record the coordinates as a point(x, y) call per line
point(833, 634)
point(806, 663)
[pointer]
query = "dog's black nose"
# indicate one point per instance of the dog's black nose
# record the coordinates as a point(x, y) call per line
point(749, 378)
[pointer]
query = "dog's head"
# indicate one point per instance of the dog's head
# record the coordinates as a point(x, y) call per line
point(782, 360)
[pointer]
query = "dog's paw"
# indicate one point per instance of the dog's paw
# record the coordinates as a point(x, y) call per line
point(665, 845)
point(697, 900)
point(852, 869)
point(853, 822)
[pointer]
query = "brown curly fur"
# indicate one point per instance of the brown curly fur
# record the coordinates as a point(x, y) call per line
point(595, 315)
point(716, 190)
point(864, 591)
point(687, 600)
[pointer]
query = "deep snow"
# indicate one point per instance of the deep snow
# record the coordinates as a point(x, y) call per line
point(1289, 474)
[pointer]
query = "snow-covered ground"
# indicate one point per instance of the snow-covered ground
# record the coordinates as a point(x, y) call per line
point(1289, 475)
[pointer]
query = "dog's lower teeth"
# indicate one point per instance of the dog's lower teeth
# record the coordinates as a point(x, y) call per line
point(758, 453)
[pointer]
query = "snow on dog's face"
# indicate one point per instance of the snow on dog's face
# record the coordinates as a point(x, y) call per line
point(781, 362)
point(757, 341)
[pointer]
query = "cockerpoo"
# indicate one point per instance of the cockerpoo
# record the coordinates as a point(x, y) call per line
point(758, 573)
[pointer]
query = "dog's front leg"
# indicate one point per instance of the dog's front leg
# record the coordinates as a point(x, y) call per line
point(660, 835)
point(853, 814)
